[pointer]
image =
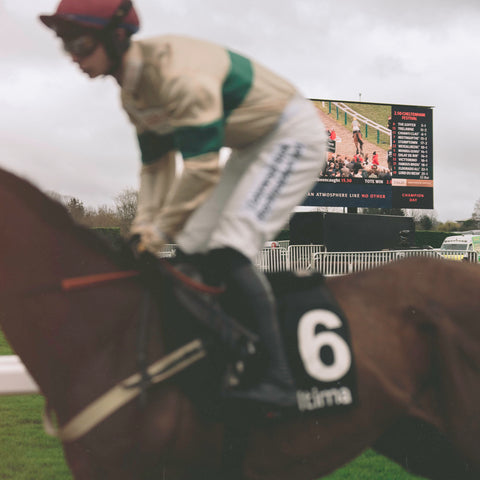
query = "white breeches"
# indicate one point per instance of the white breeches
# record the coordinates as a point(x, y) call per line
point(260, 186)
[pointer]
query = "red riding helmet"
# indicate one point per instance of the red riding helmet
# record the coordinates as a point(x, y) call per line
point(74, 15)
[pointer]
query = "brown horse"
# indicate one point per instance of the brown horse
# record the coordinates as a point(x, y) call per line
point(358, 141)
point(415, 334)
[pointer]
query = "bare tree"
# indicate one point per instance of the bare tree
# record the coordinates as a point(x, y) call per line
point(76, 209)
point(126, 204)
point(476, 214)
point(424, 219)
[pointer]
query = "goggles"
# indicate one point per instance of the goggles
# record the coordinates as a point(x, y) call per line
point(82, 46)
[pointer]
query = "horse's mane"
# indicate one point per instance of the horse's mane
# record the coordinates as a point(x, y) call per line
point(53, 212)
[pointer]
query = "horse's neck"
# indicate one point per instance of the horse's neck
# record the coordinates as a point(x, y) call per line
point(60, 336)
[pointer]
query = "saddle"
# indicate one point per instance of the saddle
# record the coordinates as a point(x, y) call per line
point(315, 338)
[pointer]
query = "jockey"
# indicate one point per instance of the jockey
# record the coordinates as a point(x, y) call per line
point(356, 126)
point(357, 133)
point(193, 97)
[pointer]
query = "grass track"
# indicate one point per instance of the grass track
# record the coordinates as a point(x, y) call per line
point(26, 453)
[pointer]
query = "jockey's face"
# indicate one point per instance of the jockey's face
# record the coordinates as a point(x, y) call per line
point(89, 54)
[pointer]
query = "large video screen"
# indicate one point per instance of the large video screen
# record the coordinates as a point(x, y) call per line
point(378, 156)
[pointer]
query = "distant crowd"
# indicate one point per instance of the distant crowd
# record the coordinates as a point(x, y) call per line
point(356, 166)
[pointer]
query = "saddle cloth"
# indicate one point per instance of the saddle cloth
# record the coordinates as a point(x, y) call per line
point(317, 343)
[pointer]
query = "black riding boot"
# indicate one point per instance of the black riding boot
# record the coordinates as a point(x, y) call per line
point(251, 293)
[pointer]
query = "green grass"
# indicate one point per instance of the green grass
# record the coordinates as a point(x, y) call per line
point(27, 453)
point(371, 466)
point(4, 346)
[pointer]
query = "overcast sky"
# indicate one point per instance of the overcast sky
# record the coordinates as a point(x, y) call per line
point(68, 134)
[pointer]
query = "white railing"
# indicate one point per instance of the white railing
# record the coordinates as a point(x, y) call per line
point(362, 118)
point(281, 256)
point(272, 259)
point(344, 263)
point(295, 257)
point(316, 258)
point(300, 257)
point(14, 378)
point(167, 251)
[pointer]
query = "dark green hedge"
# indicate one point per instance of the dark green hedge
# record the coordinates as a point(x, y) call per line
point(424, 238)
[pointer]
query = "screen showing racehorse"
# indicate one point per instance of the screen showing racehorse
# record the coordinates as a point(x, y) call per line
point(378, 156)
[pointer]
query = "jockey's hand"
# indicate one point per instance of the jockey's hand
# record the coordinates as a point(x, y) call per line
point(153, 238)
point(135, 245)
point(147, 238)
point(143, 260)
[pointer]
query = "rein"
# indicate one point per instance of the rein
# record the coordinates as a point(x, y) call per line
point(122, 393)
point(87, 281)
